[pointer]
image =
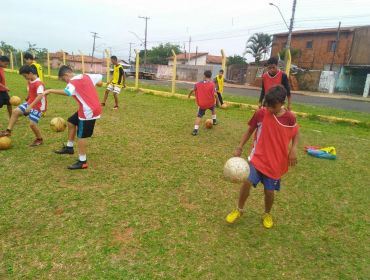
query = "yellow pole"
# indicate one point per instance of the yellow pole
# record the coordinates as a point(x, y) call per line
point(11, 61)
point(223, 60)
point(174, 71)
point(288, 59)
point(2, 52)
point(108, 65)
point(48, 56)
point(82, 62)
point(64, 57)
point(137, 69)
point(21, 58)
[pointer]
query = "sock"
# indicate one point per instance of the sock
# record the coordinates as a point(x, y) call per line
point(9, 130)
point(196, 127)
point(70, 144)
point(213, 117)
point(82, 157)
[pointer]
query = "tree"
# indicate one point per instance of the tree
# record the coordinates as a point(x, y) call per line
point(258, 45)
point(294, 53)
point(160, 54)
point(6, 48)
point(236, 59)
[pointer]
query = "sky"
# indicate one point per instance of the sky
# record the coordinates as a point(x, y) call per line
point(212, 25)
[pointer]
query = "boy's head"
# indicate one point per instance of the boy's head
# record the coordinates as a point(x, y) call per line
point(65, 73)
point(114, 59)
point(4, 61)
point(28, 58)
point(221, 73)
point(28, 73)
point(207, 74)
point(272, 66)
point(275, 99)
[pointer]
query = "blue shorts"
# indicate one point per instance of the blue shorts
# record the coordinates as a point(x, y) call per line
point(34, 114)
point(255, 177)
point(201, 112)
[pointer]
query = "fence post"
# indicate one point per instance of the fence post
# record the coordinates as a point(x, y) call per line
point(82, 62)
point(64, 57)
point(223, 60)
point(2, 52)
point(21, 57)
point(288, 59)
point(11, 61)
point(48, 56)
point(137, 69)
point(108, 64)
point(174, 71)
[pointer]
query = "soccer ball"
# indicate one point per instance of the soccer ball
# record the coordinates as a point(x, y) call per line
point(99, 84)
point(58, 124)
point(224, 106)
point(15, 100)
point(209, 123)
point(5, 143)
point(236, 170)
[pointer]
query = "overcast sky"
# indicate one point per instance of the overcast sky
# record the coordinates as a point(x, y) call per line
point(212, 24)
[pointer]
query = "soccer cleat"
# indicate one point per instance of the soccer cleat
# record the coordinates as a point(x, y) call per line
point(37, 142)
point(65, 150)
point(215, 122)
point(233, 216)
point(195, 132)
point(115, 107)
point(267, 220)
point(102, 104)
point(78, 165)
point(4, 133)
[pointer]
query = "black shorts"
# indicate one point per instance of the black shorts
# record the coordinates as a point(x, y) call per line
point(4, 98)
point(85, 128)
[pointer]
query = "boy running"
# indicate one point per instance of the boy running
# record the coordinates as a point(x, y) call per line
point(4, 95)
point(274, 77)
point(219, 81)
point(205, 96)
point(82, 89)
point(31, 108)
point(116, 83)
point(276, 128)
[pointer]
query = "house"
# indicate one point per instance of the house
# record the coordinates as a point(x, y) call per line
point(316, 50)
point(201, 58)
point(92, 64)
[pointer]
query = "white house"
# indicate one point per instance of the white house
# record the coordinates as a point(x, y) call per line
point(202, 59)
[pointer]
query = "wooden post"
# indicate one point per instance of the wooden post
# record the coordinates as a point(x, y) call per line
point(137, 69)
point(174, 71)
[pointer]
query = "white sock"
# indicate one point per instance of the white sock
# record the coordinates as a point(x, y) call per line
point(70, 144)
point(82, 157)
point(213, 117)
point(196, 127)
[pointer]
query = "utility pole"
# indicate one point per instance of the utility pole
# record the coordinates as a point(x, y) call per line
point(291, 25)
point(129, 55)
point(189, 48)
point(95, 35)
point(336, 46)
point(196, 54)
point(146, 36)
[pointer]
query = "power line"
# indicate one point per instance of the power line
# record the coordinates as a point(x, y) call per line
point(146, 35)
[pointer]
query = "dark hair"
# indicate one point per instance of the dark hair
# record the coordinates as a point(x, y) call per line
point(26, 69)
point(4, 58)
point(64, 69)
point(221, 71)
point(275, 95)
point(273, 60)
point(113, 57)
point(208, 73)
point(28, 55)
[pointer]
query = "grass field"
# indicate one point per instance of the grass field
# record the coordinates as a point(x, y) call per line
point(153, 203)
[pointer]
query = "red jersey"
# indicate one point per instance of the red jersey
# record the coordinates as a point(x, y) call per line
point(273, 136)
point(205, 94)
point(82, 88)
point(2, 79)
point(35, 88)
point(271, 81)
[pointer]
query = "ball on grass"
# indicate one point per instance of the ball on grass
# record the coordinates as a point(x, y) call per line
point(236, 170)
point(209, 123)
point(15, 100)
point(5, 143)
point(58, 124)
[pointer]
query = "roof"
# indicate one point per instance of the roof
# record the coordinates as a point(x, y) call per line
point(211, 59)
point(214, 59)
point(322, 30)
point(76, 58)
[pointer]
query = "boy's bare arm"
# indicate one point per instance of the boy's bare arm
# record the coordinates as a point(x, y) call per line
point(190, 93)
point(238, 151)
point(55, 91)
point(292, 158)
point(4, 86)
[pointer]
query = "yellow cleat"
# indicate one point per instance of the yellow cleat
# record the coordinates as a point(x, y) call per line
point(267, 220)
point(233, 216)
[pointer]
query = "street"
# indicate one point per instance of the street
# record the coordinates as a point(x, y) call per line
point(343, 104)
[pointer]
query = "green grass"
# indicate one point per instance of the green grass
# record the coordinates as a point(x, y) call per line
point(153, 203)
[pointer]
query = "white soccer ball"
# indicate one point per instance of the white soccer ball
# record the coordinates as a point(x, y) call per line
point(236, 170)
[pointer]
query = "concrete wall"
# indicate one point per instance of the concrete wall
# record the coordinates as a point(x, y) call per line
point(360, 53)
point(308, 80)
point(200, 61)
point(186, 72)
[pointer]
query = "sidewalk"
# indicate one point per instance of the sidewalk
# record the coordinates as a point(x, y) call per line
point(307, 93)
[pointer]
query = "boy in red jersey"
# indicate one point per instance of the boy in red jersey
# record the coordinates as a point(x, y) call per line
point(31, 108)
point(269, 160)
point(4, 95)
point(205, 96)
point(82, 89)
point(274, 77)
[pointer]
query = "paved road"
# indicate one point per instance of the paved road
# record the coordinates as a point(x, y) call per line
point(343, 104)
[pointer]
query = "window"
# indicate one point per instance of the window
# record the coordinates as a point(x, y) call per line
point(309, 45)
point(332, 46)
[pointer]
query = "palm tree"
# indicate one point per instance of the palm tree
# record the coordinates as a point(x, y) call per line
point(258, 45)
